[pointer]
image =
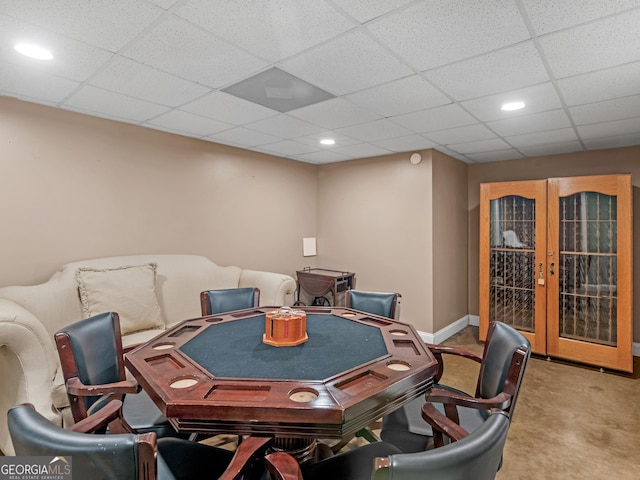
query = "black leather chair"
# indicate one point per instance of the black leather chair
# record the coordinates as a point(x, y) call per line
point(112, 456)
point(91, 356)
point(502, 368)
point(376, 303)
point(476, 456)
point(228, 300)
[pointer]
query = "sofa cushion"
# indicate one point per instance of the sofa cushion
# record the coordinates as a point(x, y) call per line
point(127, 290)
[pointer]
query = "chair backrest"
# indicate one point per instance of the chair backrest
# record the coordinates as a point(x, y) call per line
point(475, 457)
point(91, 350)
point(93, 456)
point(376, 303)
point(505, 357)
point(228, 300)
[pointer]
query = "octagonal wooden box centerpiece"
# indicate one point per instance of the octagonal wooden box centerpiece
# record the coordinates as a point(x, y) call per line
point(285, 327)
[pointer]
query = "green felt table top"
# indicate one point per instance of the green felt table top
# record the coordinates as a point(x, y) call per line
point(235, 349)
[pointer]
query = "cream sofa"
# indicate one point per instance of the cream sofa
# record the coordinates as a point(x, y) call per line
point(30, 315)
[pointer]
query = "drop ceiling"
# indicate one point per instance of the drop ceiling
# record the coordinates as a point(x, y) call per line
point(400, 75)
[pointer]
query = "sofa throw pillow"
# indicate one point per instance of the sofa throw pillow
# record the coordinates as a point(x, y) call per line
point(128, 290)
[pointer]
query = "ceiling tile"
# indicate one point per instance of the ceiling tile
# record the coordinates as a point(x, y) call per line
point(469, 133)
point(500, 155)
point(30, 84)
point(612, 142)
point(186, 122)
point(439, 118)
point(166, 4)
point(404, 144)
point(244, 136)
point(374, 131)
point(72, 59)
point(334, 113)
point(603, 85)
point(283, 125)
point(537, 122)
point(228, 108)
point(134, 79)
point(451, 153)
point(314, 140)
point(593, 46)
point(362, 150)
point(550, 15)
point(107, 24)
point(322, 157)
point(438, 32)
point(479, 146)
point(542, 138)
point(287, 147)
point(616, 109)
point(627, 126)
point(503, 70)
point(184, 50)
point(365, 10)
point(405, 95)
point(538, 98)
point(360, 61)
point(274, 29)
point(551, 149)
point(97, 101)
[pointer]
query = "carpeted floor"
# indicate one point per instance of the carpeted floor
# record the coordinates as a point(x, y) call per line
point(571, 421)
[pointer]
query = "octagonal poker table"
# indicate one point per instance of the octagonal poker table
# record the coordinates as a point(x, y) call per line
point(215, 375)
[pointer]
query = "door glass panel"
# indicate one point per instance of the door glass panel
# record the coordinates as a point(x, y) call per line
point(512, 260)
point(588, 268)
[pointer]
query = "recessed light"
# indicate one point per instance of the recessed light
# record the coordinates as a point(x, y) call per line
point(33, 51)
point(509, 107)
point(327, 141)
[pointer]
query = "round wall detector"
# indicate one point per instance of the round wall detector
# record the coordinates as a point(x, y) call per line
point(415, 158)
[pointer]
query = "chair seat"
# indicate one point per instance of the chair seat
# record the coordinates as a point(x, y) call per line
point(181, 459)
point(352, 465)
point(144, 416)
point(406, 429)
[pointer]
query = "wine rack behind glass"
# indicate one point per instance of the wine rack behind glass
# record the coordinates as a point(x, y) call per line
point(512, 262)
point(588, 268)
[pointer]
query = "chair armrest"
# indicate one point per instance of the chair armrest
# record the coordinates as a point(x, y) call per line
point(76, 387)
point(249, 449)
point(441, 424)
point(438, 350)
point(101, 419)
point(446, 397)
point(283, 466)
point(461, 352)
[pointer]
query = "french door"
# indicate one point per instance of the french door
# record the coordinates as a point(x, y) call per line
point(556, 264)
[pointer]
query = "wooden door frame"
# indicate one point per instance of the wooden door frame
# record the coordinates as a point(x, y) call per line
point(619, 357)
point(531, 189)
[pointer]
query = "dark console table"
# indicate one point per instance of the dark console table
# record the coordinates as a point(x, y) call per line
point(319, 282)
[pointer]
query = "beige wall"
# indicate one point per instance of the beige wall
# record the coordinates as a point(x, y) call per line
point(380, 218)
point(76, 187)
point(450, 237)
point(620, 160)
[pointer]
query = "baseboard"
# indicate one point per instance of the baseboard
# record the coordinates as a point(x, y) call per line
point(473, 320)
point(450, 330)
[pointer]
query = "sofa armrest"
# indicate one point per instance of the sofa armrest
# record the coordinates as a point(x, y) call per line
point(276, 289)
point(28, 366)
